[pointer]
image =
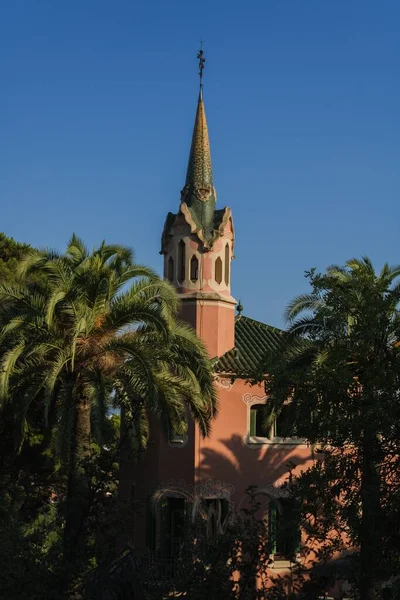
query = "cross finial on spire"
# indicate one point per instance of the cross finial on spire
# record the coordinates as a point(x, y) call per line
point(202, 60)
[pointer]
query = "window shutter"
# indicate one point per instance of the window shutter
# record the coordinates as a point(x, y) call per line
point(273, 518)
point(253, 421)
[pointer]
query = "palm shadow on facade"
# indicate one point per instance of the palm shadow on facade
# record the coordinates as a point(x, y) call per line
point(236, 464)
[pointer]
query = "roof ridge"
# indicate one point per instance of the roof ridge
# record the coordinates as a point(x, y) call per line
point(257, 323)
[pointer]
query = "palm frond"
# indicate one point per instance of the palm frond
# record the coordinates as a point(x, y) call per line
point(76, 249)
point(303, 302)
point(7, 366)
point(305, 326)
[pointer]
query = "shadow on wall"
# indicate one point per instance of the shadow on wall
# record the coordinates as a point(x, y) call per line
point(232, 466)
point(239, 465)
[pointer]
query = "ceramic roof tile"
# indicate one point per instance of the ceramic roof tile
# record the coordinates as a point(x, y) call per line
point(252, 342)
point(199, 194)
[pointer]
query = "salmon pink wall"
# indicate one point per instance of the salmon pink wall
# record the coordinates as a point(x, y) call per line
point(224, 463)
point(227, 454)
point(162, 465)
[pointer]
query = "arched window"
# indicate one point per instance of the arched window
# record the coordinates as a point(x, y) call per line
point(181, 260)
point(218, 512)
point(194, 268)
point(218, 270)
point(170, 269)
point(227, 264)
point(259, 425)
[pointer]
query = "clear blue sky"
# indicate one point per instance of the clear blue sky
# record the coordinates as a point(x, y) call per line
point(97, 105)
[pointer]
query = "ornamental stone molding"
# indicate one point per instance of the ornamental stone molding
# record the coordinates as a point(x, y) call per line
point(182, 230)
point(253, 398)
point(223, 382)
point(212, 488)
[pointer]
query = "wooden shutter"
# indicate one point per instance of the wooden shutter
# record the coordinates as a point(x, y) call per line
point(273, 522)
point(253, 421)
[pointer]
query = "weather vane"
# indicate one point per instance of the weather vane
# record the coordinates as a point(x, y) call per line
point(202, 60)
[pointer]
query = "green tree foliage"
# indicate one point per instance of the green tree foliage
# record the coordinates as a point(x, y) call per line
point(32, 507)
point(97, 330)
point(339, 368)
point(11, 253)
point(219, 558)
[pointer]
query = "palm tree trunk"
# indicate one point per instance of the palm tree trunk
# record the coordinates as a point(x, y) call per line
point(370, 534)
point(127, 460)
point(78, 485)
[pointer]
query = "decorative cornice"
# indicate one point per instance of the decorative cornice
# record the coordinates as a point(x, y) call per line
point(252, 398)
point(205, 297)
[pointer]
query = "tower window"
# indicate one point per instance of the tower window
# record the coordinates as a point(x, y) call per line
point(178, 435)
point(181, 260)
point(170, 269)
point(194, 268)
point(218, 270)
point(227, 264)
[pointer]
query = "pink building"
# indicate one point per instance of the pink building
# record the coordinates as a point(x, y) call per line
point(198, 248)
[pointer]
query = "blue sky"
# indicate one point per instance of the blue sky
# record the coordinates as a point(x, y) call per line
point(302, 97)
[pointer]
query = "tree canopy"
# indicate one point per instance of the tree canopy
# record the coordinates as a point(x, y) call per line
point(97, 330)
point(10, 254)
point(338, 371)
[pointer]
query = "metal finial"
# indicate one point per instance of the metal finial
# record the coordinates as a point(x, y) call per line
point(239, 308)
point(202, 60)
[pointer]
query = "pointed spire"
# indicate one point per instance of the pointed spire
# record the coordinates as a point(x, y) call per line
point(199, 171)
point(199, 194)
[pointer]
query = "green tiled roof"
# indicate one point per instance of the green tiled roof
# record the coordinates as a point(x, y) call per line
point(253, 340)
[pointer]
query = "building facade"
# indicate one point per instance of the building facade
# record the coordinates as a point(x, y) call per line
point(197, 246)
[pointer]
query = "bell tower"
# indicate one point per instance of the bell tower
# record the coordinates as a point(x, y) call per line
point(198, 244)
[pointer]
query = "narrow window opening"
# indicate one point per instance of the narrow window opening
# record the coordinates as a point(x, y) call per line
point(170, 269)
point(177, 510)
point(227, 264)
point(218, 270)
point(284, 530)
point(181, 260)
point(172, 516)
point(259, 422)
point(178, 434)
point(194, 268)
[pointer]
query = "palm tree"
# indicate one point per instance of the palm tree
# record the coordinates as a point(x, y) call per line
point(99, 330)
point(340, 366)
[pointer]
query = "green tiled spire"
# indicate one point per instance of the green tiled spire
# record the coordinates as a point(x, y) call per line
point(199, 192)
